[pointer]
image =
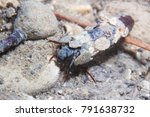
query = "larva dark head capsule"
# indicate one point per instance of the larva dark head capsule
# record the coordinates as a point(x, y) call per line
point(67, 55)
point(64, 53)
point(128, 21)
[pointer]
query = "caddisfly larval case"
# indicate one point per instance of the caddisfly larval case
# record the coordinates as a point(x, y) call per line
point(80, 49)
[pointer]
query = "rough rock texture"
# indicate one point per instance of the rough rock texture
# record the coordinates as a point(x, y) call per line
point(8, 95)
point(120, 77)
point(47, 78)
point(36, 19)
point(26, 70)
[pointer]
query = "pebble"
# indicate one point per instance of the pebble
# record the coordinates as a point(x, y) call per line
point(60, 92)
point(47, 78)
point(102, 44)
point(85, 93)
point(84, 58)
point(36, 20)
point(75, 44)
point(50, 98)
point(145, 85)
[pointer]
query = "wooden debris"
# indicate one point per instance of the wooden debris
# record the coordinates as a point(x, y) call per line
point(137, 42)
point(72, 19)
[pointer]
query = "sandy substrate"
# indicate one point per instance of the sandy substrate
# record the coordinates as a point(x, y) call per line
point(26, 73)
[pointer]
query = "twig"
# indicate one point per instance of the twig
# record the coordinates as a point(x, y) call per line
point(72, 19)
point(137, 42)
point(128, 40)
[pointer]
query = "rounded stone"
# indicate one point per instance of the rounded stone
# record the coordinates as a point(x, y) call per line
point(145, 85)
point(75, 44)
point(102, 44)
point(48, 77)
point(36, 20)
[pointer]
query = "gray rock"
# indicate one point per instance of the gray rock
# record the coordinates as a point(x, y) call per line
point(47, 78)
point(36, 20)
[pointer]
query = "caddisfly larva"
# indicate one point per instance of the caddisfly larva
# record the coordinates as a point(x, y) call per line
point(77, 50)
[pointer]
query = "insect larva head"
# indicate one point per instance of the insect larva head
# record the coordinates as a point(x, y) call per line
point(128, 21)
point(64, 53)
point(66, 56)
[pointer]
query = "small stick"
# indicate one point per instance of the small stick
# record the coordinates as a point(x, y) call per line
point(72, 19)
point(128, 40)
point(137, 42)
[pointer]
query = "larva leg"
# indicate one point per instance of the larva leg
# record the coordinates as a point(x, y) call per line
point(90, 76)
